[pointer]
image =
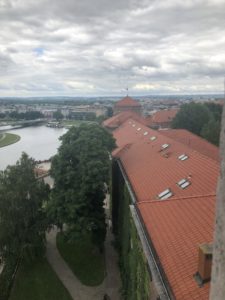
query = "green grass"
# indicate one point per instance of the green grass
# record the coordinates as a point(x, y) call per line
point(8, 139)
point(38, 282)
point(84, 260)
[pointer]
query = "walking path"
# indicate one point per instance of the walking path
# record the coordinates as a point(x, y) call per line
point(112, 281)
point(111, 284)
point(77, 290)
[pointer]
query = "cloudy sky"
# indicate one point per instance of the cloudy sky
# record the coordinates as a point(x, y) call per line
point(98, 47)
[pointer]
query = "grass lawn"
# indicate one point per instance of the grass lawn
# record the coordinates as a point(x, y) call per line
point(38, 282)
point(86, 262)
point(8, 139)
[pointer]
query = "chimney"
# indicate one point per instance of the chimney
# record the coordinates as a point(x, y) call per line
point(204, 263)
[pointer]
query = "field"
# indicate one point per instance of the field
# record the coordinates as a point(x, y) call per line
point(84, 260)
point(8, 139)
point(38, 282)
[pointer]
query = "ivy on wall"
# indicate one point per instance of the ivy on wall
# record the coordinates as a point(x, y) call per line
point(133, 265)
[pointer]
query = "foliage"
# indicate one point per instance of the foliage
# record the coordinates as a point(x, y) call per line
point(80, 169)
point(2, 115)
point(109, 111)
point(29, 115)
point(38, 282)
point(211, 131)
point(22, 220)
point(83, 258)
point(192, 117)
point(134, 271)
point(201, 119)
point(58, 115)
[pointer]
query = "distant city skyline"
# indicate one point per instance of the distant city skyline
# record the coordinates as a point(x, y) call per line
point(99, 48)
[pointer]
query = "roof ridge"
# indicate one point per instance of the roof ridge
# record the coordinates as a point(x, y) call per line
point(171, 139)
point(176, 198)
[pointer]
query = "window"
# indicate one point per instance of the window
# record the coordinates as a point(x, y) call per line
point(183, 183)
point(164, 146)
point(183, 157)
point(165, 194)
point(146, 132)
point(153, 138)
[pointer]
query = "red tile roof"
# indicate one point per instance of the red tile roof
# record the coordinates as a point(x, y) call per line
point(151, 171)
point(177, 228)
point(119, 119)
point(127, 101)
point(164, 116)
point(193, 141)
point(177, 225)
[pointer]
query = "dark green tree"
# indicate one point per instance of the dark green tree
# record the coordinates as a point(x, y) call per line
point(192, 116)
point(211, 131)
point(80, 170)
point(58, 115)
point(22, 219)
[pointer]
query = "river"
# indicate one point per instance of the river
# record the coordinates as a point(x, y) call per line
point(39, 142)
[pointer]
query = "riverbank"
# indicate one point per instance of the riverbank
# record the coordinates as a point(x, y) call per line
point(8, 139)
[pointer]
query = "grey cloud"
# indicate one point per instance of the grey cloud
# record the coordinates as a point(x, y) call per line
point(110, 44)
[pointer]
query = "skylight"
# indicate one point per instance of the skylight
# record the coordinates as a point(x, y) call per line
point(146, 132)
point(139, 129)
point(164, 146)
point(183, 183)
point(153, 138)
point(165, 194)
point(183, 157)
point(133, 125)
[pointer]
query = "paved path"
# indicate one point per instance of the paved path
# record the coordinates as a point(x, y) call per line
point(112, 281)
point(110, 286)
point(77, 290)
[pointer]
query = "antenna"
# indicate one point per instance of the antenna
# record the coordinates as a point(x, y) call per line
point(127, 89)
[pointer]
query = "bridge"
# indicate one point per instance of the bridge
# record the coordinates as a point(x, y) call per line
point(21, 123)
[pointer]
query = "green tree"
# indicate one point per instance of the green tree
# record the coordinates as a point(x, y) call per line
point(192, 116)
point(22, 219)
point(211, 131)
point(80, 170)
point(58, 115)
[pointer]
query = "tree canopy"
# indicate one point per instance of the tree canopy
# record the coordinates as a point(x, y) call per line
point(58, 115)
point(80, 170)
point(22, 219)
point(201, 119)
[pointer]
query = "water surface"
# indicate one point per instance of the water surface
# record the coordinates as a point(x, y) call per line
point(39, 142)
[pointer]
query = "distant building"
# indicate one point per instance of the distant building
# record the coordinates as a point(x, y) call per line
point(127, 104)
point(162, 118)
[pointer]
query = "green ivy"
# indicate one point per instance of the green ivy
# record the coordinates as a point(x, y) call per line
point(133, 265)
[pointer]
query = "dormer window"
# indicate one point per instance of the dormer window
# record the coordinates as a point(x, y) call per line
point(152, 138)
point(165, 194)
point(183, 157)
point(164, 146)
point(183, 183)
